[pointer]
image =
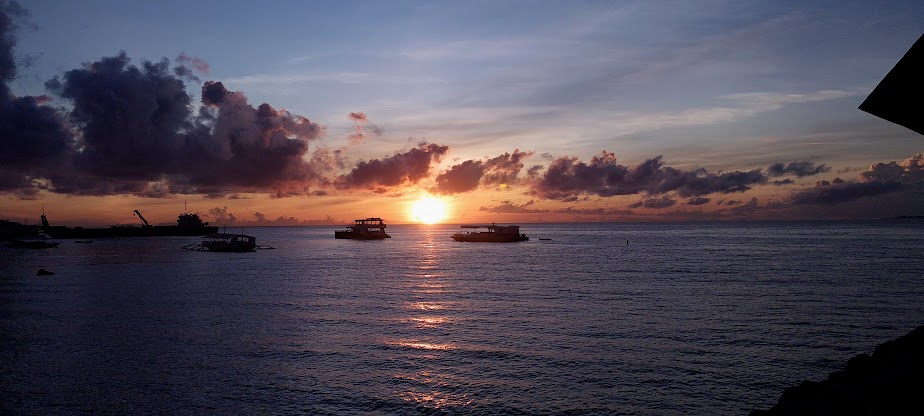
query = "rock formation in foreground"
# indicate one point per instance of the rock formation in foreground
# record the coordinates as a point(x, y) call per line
point(890, 382)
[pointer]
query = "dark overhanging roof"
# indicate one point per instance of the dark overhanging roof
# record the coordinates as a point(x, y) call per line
point(899, 98)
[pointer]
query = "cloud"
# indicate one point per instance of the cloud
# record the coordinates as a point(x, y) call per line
point(468, 175)
point(594, 211)
point(849, 191)
point(697, 201)
point(655, 203)
point(129, 129)
point(136, 124)
point(798, 169)
point(281, 221)
point(34, 138)
point(911, 170)
point(130, 117)
point(508, 207)
point(567, 178)
point(360, 126)
point(879, 179)
point(402, 168)
point(221, 216)
point(358, 117)
point(198, 64)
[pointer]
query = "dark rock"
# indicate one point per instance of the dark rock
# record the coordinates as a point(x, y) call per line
point(43, 272)
point(888, 382)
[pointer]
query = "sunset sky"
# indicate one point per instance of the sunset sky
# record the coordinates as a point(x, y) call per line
point(506, 111)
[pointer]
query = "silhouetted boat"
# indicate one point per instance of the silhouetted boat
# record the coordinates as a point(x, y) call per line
point(226, 242)
point(186, 225)
point(494, 234)
point(41, 241)
point(364, 229)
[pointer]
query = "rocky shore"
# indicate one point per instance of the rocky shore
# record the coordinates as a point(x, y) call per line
point(889, 382)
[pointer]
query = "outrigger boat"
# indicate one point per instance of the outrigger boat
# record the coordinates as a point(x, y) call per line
point(364, 229)
point(41, 241)
point(223, 242)
point(494, 234)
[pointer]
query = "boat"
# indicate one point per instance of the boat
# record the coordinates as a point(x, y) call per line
point(494, 234)
point(40, 241)
point(238, 243)
point(364, 229)
point(186, 225)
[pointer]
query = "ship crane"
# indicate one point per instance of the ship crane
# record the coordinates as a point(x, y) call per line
point(146, 225)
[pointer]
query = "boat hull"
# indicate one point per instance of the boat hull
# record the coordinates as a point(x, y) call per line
point(351, 235)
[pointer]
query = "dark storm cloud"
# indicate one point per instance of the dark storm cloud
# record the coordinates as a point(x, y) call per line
point(797, 169)
point(782, 182)
point(214, 93)
point(567, 178)
point(34, 139)
point(468, 175)
point(130, 117)
point(136, 125)
point(401, 168)
point(697, 201)
point(235, 144)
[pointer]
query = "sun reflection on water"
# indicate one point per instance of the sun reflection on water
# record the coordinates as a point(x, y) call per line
point(432, 390)
point(428, 321)
point(428, 306)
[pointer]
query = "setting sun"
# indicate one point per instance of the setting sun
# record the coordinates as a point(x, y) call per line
point(428, 210)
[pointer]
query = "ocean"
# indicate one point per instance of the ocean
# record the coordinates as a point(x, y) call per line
point(601, 318)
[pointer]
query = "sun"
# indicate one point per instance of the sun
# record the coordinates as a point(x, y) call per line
point(428, 210)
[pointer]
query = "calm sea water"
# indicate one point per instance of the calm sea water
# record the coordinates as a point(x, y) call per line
point(711, 318)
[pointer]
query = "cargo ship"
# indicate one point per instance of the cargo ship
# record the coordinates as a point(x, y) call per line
point(364, 229)
point(494, 234)
point(186, 225)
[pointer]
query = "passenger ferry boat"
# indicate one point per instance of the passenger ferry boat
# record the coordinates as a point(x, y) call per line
point(494, 234)
point(364, 229)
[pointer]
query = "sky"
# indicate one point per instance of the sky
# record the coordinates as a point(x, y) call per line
point(303, 113)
